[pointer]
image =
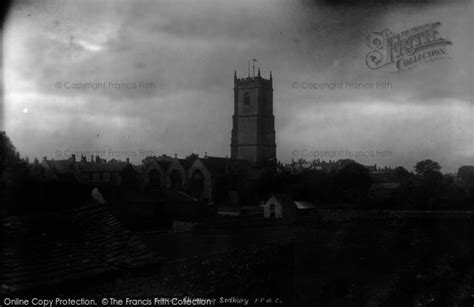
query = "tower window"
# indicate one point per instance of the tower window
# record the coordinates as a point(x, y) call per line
point(246, 99)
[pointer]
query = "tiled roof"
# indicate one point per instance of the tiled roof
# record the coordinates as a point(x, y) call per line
point(55, 247)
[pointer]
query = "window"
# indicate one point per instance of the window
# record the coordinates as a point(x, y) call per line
point(175, 179)
point(197, 184)
point(246, 99)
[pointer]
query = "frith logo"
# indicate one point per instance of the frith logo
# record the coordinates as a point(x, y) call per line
point(406, 49)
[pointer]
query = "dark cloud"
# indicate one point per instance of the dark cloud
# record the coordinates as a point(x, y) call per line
point(188, 50)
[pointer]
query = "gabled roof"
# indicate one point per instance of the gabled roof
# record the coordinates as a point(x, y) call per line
point(188, 161)
point(283, 198)
point(163, 162)
point(56, 247)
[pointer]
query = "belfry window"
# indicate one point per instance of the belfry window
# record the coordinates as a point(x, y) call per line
point(246, 99)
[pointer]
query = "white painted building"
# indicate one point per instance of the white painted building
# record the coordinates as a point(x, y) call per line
point(279, 206)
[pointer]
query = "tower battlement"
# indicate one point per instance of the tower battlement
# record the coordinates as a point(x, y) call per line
point(252, 81)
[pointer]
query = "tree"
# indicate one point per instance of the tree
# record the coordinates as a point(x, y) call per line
point(354, 180)
point(15, 180)
point(425, 166)
point(431, 181)
point(402, 175)
point(466, 175)
point(8, 154)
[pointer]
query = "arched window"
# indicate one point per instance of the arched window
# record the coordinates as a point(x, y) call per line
point(246, 99)
point(197, 184)
point(175, 179)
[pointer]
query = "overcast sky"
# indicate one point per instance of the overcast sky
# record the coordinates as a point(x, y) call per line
point(185, 53)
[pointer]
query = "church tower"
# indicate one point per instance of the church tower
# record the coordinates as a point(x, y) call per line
point(253, 131)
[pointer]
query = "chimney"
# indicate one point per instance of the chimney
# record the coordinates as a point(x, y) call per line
point(128, 160)
point(73, 158)
point(92, 158)
point(97, 159)
point(83, 158)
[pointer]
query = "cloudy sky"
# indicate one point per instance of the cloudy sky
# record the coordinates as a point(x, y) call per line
point(181, 55)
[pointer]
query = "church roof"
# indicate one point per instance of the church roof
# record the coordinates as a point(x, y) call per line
point(162, 162)
point(222, 166)
point(188, 161)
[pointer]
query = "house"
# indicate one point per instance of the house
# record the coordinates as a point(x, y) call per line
point(95, 172)
point(101, 172)
point(280, 206)
point(50, 170)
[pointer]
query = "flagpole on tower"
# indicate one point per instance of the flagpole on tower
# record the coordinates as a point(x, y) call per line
point(253, 64)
